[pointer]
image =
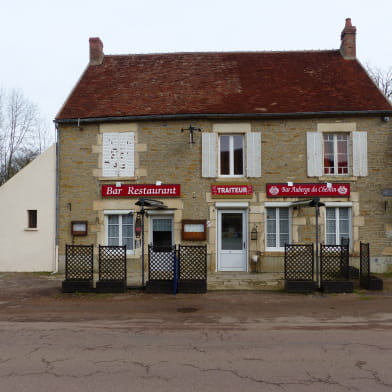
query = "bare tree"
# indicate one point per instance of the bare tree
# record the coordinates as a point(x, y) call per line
point(21, 133)
point(382, 78)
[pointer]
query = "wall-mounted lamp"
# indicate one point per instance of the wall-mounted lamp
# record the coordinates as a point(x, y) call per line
point(138, 225)
point(385, 119)
point(253, 233)
point(191, 129)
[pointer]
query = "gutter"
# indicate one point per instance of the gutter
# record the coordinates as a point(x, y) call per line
point(188, 116)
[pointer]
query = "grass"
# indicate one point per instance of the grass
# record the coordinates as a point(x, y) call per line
point(366, 297)
point(92, 295)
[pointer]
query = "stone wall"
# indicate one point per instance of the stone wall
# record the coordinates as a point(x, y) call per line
point(163, 153)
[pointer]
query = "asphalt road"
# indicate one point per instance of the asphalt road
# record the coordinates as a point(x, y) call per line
point(219, 341)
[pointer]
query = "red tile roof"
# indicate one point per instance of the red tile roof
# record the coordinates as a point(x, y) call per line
point(223, 83)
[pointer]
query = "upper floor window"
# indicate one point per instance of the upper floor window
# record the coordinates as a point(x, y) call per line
point(336, 153)
point(229, 154)
point(231, 160)
point(118, 154)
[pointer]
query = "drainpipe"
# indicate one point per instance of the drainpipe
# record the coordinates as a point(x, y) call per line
point(56, 249)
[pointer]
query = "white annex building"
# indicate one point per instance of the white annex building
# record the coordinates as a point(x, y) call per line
point(28, 218)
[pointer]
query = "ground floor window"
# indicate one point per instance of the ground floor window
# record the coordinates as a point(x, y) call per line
point(120, 230)
point(32, 221)
point(337, 224)
point(277, 227)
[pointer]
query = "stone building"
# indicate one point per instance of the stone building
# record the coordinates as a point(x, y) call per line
point(229, 142)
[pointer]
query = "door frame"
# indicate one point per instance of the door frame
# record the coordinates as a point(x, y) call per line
point(244, 212)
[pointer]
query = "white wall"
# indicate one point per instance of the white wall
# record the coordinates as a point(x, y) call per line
point(33, 188)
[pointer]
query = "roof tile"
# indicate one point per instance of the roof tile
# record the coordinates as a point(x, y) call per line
point(223, 83)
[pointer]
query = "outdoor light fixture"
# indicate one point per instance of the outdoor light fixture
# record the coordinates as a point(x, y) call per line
point(138, 225)
point(191, 129)
point(253, 233)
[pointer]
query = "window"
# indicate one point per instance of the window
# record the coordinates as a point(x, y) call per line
point(277, 227)
point(336, 153)
point(231, 154)
point(118, 154)
point(231, 148)
point(120, 229)
point(32, 221)
point(337, 224)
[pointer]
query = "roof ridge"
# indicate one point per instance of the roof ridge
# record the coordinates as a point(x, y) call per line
point(226, 52)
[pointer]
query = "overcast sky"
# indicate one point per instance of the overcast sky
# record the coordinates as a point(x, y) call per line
point(44, 43)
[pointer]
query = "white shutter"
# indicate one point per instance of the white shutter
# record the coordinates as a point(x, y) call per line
point(209, 154)
point(126, 154)
point(314, 143)
point(253, 154)
point(110, 150)
point(360, 164)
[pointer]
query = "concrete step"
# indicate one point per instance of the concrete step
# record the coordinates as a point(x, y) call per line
point(227, 280)
point(245, 281)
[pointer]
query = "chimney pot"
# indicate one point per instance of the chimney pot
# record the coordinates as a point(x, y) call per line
point(348, 41)
point(96, 51)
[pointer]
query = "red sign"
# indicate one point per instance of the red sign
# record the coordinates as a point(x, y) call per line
point(308, 190)
point(148, 190)
point(232, 190)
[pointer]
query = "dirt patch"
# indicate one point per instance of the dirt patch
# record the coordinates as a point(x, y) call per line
point(38, 297)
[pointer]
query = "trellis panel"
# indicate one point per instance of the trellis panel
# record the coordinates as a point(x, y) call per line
point(299, 261)
point(79, 262)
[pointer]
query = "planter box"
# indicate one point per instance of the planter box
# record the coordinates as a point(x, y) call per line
point(159, 286)
point(184, 286)
point(354, 272)
point(337, 286)
point(300, 286)
point(372, 283)
point(192, 286)
point(80, 286)
point(111, 286)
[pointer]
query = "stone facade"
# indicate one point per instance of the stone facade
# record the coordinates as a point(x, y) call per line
point(163, 153)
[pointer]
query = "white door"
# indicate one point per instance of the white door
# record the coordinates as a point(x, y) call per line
point(232, 240)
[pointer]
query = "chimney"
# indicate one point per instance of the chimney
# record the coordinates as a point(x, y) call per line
point(348, 44)
point(96, 51)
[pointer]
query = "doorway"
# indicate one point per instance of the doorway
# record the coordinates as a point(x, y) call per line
point(232, 240)
point(161, 233)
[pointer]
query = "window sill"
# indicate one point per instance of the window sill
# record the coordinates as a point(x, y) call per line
point(342, 178)
point(228, 178)
point(117, 179)
point(31, 229)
